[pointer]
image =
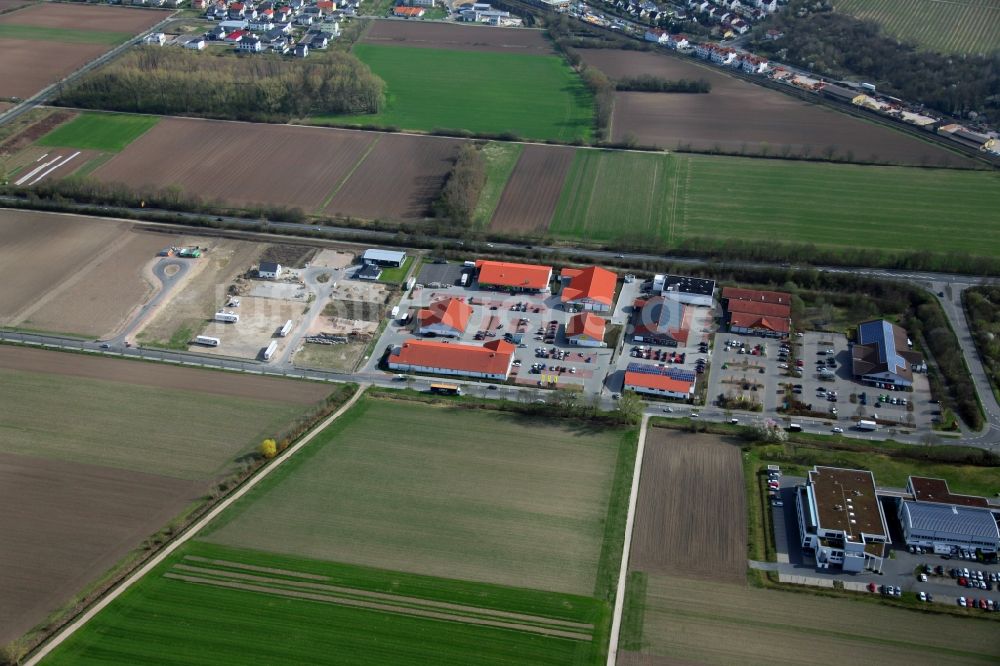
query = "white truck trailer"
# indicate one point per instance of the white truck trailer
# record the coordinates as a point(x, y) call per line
point(270, 349)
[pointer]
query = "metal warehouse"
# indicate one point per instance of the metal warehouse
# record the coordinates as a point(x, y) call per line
point(929, 524)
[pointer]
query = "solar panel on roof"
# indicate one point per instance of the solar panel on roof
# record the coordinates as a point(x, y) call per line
point(672, 373)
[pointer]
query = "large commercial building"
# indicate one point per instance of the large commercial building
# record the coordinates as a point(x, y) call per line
point(841, 521)
point(513, 277)
point(660, 321)
point(881, 355)
point(687, 290)
point(588, 289)
point(940, 520)
point(586, 330)
point(755, 312)
point(491, 361)
point(448, 317)
point(384, 258)
point(659, 381)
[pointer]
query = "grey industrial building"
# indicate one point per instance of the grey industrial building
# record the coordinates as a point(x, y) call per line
point(936, 518)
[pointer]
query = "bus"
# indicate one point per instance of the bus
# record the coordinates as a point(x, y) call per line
point(207, 341)
point(446, 389)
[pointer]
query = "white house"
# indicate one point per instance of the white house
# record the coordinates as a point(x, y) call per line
point(197, 43)
point(301, 50)
point(678, 42)
point(269, 270)
point(657, 35)
point(156, 39)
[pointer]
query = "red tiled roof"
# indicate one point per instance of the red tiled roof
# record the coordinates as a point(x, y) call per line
point(759, 308)
point(735, 293)
point(587, 324)
point(658, 382)
point(522, 276)
point(235, 35)
point(594, 283)
point(493, 358)
point(451, 312)
point(745, 320)
point(407, 11)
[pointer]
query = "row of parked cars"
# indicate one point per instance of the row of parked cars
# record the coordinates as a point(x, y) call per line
point(774, 485)
point(982, 604)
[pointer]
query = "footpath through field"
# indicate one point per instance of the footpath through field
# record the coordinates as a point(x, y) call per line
point(189, 534)
point(616, 620)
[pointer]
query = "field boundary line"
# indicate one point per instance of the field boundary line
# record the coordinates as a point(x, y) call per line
point(616, 618)
point(169, 549)
point(347, 176)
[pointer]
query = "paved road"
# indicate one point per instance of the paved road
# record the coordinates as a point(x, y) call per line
point(187, 535)
point(167, 283)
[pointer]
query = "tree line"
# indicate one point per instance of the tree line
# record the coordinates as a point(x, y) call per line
point(842, 46)
point(982, 306)
point(650, 83)
point(258, 88)
point(465, 183)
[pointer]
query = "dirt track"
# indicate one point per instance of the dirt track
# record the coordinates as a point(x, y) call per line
point(65, 524)
point(739, 116)
point(461, 37)
point(691, 513)
point(25, 71)
point(162, 376)
point(78, 16)
point(532, 193)
point(240, 163)
point(399, 179)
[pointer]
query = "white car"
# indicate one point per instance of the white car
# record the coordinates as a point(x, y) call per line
point(923, 596)
point(838, 429)
point(923, 578)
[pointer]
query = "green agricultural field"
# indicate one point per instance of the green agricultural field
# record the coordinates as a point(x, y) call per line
point(183, 434)
point(41, 34)
point(956, 26)
point(617, 195)
point(212, 605)
point(622, 196)
point(107, 132)
point(442, 491)
point(532, 96)
point(684, 619)
point(501, 158)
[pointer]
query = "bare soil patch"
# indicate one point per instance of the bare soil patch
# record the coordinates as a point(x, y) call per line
point(240, 163)
point(39, 251)
point(260, 319)
point(79, 16)
point(29, 66)
point(71, 523)
point(103, 298)
point(532, 193)
point(289, 256)
point(399, 179)
point(691, 511)
point(461, 37)
point(332, 259)
point(6, 5)
point(738, 116)
point(31, 126)
point(162, 376)
point(339, 358)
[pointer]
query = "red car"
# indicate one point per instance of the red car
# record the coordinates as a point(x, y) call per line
point(982, 604)
point(872, 587)
point(799, 363)
point(962, 580)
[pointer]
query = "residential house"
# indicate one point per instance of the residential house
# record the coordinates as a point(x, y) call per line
point(199, 4)
point(282, 14)
point(235, 36)
point(740, 26)
point(301, 50)
point(767, 6)
point(237, 10)
point(421, 3)
point(304, 19)
point(261, 24)
point(773, 34)
point(657, 36)
point(326, 6)
point(250, 43)
point(319, 42)
point(723, 55)
point(678, 42)
point(216, 33)
point(195, 43)
point(408, 12)
point(269, 270)
point(279, 44)
point(155, 39)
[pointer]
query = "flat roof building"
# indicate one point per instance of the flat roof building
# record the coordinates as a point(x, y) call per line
point(841, 521)
point(513, 277)
point(588, 288)
point(586, 330)
point(659, 381)
point(448, 317)
point(369, 272)
point(933, 525)
point(687, 290)
point(383, 257)
point(881, 355)
point(491, 361)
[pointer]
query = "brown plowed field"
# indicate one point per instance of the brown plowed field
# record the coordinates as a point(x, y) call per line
point(163, 376)
point(12, 4)
point(240, 163)
point(39, 251)
point(740, 116)
point(691, 512)
point(78, 16)
point(29, 66)
point(461, 37)
point(532, 193)
point(399, 179)
point(64, 524)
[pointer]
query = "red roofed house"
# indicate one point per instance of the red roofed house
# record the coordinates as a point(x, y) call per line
point(408, 12)
point(448, 317)
point(235, 36)
point(754, 312)
point(752, 324)
point(326, 5)
point(513, 277)
point(491, 361)
point(679, 386)
point(586, 330)
point(591, 288)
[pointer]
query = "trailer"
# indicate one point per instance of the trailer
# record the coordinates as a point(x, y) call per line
point(285, 329)
point(206, 340)
point(394, 313)
point(866, 425)
point(227, 317)
point(270, 349)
